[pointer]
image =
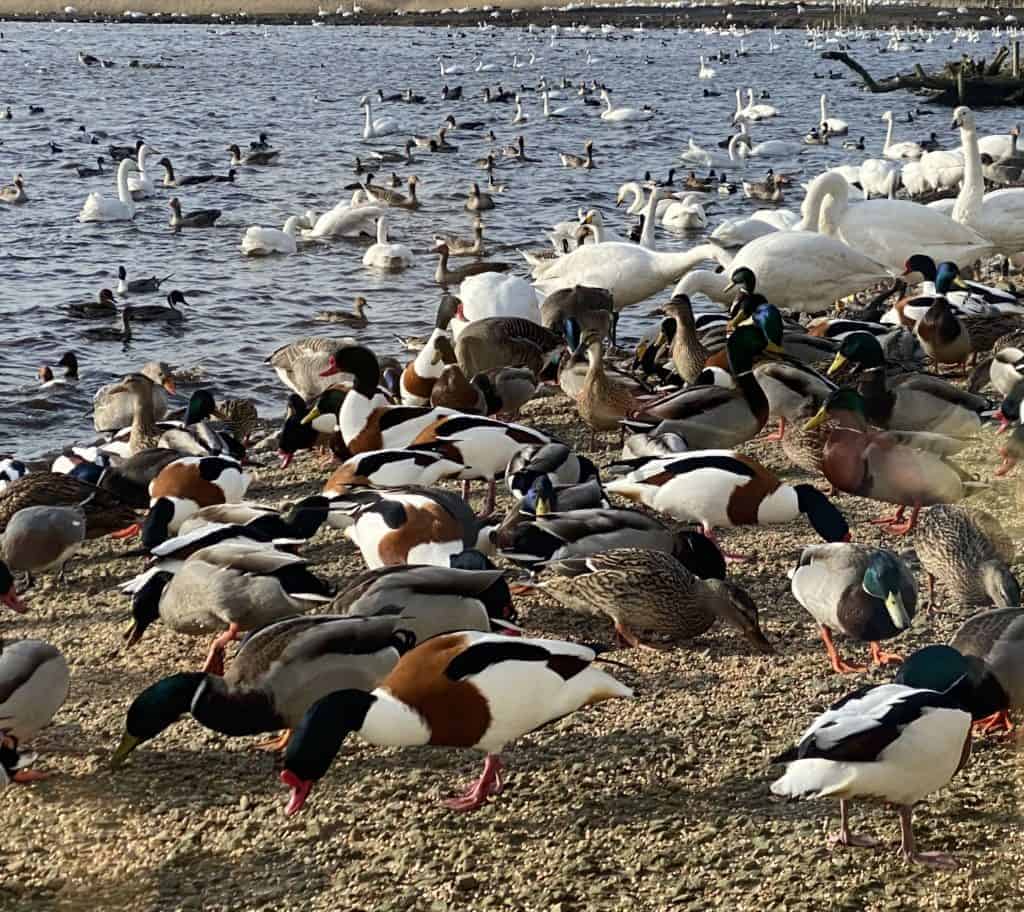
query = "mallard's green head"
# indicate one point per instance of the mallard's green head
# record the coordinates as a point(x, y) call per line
point(882, 580)
point(328, 403)
point(743, 347)
point(947, 278)
point(933, 668)
point(768, 318)
point(743, 278)
point(861, 348)
point(200, 407)
point(156, 709)
point(839, 401)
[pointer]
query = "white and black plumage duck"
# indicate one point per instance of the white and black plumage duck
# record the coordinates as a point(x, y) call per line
point(888, 743)
point(464, 689)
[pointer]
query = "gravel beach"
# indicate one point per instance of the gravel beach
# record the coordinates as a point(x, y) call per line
point(657, 803)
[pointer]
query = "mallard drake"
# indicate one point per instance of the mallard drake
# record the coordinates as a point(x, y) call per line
point(888, 743)
point(648, 590)
point(9, 591)
point(714, 416)
point(408, 525)
point(969, 292)
point(466, 689)
point(867, 594)
point(898, 467)
point(543, 497)
point(130, 479)
point(554, 461)
point(11, 470)
point(34, 681)
point(300, 364)
point(232, 585)
point(558, 536)
point(968, 554)
point(278, 673)
point(720, 488)
point(37, 539)
point(915, 402)
point(367, 420)
point(104, 511)
point(392, 468)
point(183, 486)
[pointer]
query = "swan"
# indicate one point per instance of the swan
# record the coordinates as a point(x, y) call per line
point(706, 72)
point(836, 127)
point(630, 272)
point(901, 149)
point(752, 111)
point(482, 67)
point(806, 271)
point(849, 173)
point(697, 155)
point(519, 117)
point(382, 126)
point(494, 294)
point(942, 169)
point(772, 148)
point(684, 214)
point(99, 208)
point(712, 285)
point(385, 255)
point(259, 241)
point(453, 70)
point(599, 231)
point(887, 231)
point(879, 177)
point(735, 232)
point(141, 184)
point(558, 112)
point(622, 115)
point(998, 145)
point(912, 178)
point(997, 216)
point(348, 219)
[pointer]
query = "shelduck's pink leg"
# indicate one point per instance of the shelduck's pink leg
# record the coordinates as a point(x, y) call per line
point(480, 789)
point(844, 837)
point(709, 534)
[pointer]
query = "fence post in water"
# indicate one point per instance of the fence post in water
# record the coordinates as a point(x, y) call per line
point(960, 85)
point(1015, 65)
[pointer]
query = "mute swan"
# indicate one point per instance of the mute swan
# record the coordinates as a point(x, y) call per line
point(836, 127)
point(705, 72)
point(385, 255)
point(348, 219)
point(494, 294)
point(997, 216)
point(623, 114)
point(805, 271)
point(382, 126)
point(879, 177)
point(142, 184)
point(259, 241)
point(901, 149)
point(685, 213)
point(888, 231)
point(735, 232)
point(99, 208)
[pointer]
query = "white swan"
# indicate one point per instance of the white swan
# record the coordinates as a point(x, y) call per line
point(382, 126)
point(705, 72)
point(453, 70)
point(385, 255)
point(735, 232)
point(878, 177)
point(913, 180)
point(623, 114)
point(708, 158)
point(752, 111)
point(630, 272)
point(99, 208)
point(354, 218)
point(888, 231)
point(836, 127)
point(599, 232)
point(494, 294)
point(557, 112)
point(482, 67)
point(686, 213)
point(998, 145)
point(258, 241)
point(901, 149)
point(849, 173)
point(997, 216)
point(805, 271)
point(520, 116)
point(772, 148)
point(142, 184)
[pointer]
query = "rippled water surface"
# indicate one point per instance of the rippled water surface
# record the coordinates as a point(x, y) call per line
point(302, 85)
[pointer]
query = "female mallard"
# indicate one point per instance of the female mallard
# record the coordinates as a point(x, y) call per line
point(688, 352)
point(710, 417)
point(898, 467)
point(238, 586)
point(104, 511)
point(867, 594)
point(601, 400)
point(968, 554)
point(465, 689)
point(34, 681)
point(888, 743)
point(915, 402)
point(640, 589)
point(719, 488)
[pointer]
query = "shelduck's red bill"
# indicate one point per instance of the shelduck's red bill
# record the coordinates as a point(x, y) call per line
point(11, 600)
point(133, 529)
point(332, 368)
point(300, 791)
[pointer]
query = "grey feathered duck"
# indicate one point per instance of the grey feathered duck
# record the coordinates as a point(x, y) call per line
point(42, 538)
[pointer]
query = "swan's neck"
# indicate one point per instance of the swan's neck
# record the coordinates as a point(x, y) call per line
point(739, 102)
point(826, 185)
point(382, 231)
point(650, 216)
point(969, 202)
point(824, 117)
point(888, 137)
point(608, 103)
point(368, 129)
point(671, 267)
point(123, 193)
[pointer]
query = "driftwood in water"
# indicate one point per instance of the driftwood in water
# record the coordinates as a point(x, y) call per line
point(962, 82)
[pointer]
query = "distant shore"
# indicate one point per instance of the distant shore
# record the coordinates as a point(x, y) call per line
point(438, 13)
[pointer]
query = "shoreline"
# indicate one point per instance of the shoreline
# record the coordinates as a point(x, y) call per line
point(502, 14)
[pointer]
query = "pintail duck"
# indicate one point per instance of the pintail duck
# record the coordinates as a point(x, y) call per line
point(198, 218)
point(253, 156)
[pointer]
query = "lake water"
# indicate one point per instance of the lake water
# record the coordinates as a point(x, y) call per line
point(302, 85)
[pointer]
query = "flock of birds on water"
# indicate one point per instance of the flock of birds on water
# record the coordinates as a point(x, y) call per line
point(424, 646)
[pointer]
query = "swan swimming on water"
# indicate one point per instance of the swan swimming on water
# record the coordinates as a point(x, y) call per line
point(623, 114)
point(259, 241)
point(384, 254)
point(900, 149)
point(98, 208)
point(381, 126)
